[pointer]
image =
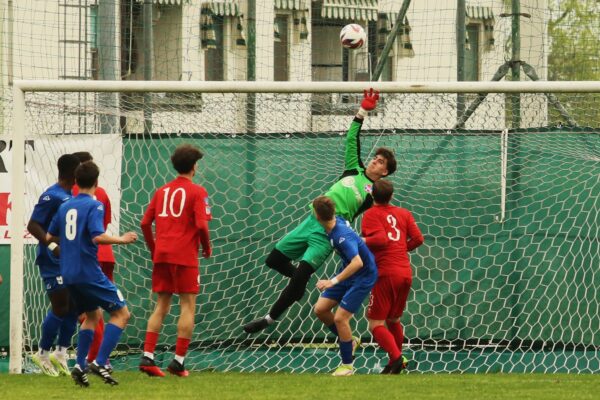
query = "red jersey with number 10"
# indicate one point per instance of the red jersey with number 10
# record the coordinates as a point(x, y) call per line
point(390, 233)
point(180, 209)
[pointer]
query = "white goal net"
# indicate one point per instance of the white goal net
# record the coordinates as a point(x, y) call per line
point(507, 279)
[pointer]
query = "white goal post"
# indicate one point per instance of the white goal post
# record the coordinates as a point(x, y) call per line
point(20, 88)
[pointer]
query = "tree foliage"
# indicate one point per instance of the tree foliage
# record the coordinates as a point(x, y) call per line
point(574, 31)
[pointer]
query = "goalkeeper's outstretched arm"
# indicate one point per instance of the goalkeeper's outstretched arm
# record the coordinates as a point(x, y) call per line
point(352, 155)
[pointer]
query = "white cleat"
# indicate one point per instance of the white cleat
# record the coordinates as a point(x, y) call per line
point(44, 364)
point(344, 370)
point(60, 364)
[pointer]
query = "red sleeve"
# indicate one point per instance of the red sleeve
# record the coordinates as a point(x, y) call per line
point(373, 232)
point(75, 190)
point(202, 215)
point(202, 211)
point(414, 233)
point(147, 224)
point(102, 197)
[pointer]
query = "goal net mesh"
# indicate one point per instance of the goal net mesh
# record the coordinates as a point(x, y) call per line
point(507, 279)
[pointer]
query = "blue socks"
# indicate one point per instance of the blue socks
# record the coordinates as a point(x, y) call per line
point(67, 329)
point(50, 328)
point(112, 334)
point(83, 346)
point(346, 352)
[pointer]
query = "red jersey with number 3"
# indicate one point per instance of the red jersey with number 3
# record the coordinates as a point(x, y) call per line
point(179, 209)
point(105, 251)
point(390, 233)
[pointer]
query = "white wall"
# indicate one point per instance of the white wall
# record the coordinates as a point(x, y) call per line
point(37, 55)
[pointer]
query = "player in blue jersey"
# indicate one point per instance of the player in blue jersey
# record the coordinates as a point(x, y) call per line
point(352, 284)
point(79, 228)
point(60, 321)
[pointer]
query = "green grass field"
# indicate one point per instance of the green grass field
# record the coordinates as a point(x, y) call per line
point(270, 386)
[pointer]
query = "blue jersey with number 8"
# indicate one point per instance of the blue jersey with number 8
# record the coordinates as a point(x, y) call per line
point(77, 222)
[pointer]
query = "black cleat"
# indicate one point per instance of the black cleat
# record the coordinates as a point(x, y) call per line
point(103, 373)
point(79, 376)
point(176, 368)
point(256, 326)
point(398, 366)
point(386, 370)
point(148, 366)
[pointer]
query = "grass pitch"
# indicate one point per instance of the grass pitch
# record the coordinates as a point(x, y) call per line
point(271, 386)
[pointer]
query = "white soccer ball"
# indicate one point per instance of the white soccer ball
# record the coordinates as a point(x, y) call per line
point(353, 36)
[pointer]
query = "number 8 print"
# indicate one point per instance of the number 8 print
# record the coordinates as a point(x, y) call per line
point(71, 228)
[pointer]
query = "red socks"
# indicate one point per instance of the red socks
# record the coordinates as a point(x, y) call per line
point(398, 332)
point(97, 341)
point(386, 340)
point(150, 342)
point(181, 346)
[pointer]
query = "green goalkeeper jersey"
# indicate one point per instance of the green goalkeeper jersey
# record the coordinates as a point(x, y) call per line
point(352, 192)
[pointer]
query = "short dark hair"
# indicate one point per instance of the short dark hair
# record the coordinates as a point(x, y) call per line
point(86, 175)
point(83, 156)
point(67, 163)
point(184, 157)
point(383, 191)
point(390, 158)
point(324, 208)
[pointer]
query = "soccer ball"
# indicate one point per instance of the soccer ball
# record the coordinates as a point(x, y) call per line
point(353, 36)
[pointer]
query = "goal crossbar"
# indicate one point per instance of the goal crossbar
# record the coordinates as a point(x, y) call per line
point(306, 87)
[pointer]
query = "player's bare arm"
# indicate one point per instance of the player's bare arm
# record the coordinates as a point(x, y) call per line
point(37, 231)
point(355, 264)
point(126, 238)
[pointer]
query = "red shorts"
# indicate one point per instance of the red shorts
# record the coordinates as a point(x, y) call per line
point(173, 278)
point(388, 297)
point(108, 268)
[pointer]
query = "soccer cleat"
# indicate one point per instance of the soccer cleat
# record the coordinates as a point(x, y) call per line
point(176, 368)
point(398, 366)
point(386, 370)
point(60, 364)
point(44, 364)
point(79, 376)
point(109, 367)
point(355, 344)
point(103, 373)
point(344, 370)
point(148, 366)
point(256, 326)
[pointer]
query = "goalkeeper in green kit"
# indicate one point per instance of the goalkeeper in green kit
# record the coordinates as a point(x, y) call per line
point(308, 242)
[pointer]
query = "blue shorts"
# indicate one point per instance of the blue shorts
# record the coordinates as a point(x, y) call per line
point(102, 293)
point(49, 270)
point(53, 284)
point(351, 293)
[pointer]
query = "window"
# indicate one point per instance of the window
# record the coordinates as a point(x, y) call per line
point(214, 61)
point(167, 42)
point(281, 48)
point(332, 62)
point(472, 53)
point(376, 45)
point(95, 66)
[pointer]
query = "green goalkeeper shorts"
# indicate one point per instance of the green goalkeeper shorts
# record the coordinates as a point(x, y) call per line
point(307, 242)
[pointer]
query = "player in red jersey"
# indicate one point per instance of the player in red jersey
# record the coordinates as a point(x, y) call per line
point(106, 257)
point(390, 232)
point(180, 211)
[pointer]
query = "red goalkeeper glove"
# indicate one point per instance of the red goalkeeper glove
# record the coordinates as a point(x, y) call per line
point(368, 103)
